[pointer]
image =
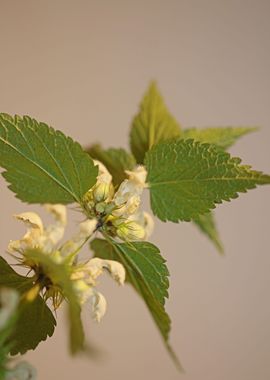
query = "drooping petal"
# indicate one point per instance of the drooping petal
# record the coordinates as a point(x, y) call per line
point(99, 306)
point(35, 230)
point(94, 268)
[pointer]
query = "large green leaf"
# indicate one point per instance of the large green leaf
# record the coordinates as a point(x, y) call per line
point(187, 178)
point(207, 225)
point(223, 137)
point(147, 272)
point(35, 321)
point(115, 160)
point(152, 124)
point(43, 165)
point(59, 273)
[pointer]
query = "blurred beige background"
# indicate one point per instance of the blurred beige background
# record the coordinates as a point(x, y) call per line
point(82, 66)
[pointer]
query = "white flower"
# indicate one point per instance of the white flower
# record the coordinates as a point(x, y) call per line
point(128, 197)
point(47, 239)
point(129, 230)
point(85, 277)
point(37, 235)
point(9, 300)
point(22, 371)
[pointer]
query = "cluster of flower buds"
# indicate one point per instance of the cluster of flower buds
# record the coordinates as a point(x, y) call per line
point(83, 275)
point(118, 211)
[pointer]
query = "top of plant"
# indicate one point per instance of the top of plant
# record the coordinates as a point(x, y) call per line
point(187, 172)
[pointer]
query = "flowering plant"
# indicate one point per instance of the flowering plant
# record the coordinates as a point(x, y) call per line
point(187, 172)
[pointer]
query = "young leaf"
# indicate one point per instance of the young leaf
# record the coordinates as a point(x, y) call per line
point(223, 137)
point(43, 165)
point(59, 273)
point(187, 178)
point(152, 124)
point(206, 224)
point(147, 272)
point(115, 160)
point(35, 320)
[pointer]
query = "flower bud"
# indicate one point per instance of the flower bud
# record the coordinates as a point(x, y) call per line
point(129, 231)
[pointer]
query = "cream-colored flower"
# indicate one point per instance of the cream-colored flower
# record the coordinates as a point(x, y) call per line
point(145, 220)
point(9, 300)
point(37, 235)
point(138, 175)
point(84, 278)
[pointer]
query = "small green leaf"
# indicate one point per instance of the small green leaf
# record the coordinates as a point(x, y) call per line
point(35, 320)
point(187, 178)
point(207, 225)
point(147, 272)
point(43, 165)
point(223, 137)
point(59, 273)
point(115, 160)
point(152, 124)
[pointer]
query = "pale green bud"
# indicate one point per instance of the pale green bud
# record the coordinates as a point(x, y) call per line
point(129, 231)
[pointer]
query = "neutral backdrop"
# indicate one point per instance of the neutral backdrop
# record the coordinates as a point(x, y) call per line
point(82, 66)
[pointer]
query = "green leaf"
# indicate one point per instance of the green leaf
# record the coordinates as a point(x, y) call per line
point(187, 178)
point(35, 320)
point(147, 272)
point(223, 137)
point(152, 124)
point(43, 165)
point(59, 273)
point(115, 160)
point(207, 225)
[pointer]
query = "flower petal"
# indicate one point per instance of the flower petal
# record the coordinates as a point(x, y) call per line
point(33, 235)
point(99, 306)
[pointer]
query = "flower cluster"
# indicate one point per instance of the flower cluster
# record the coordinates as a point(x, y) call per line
point(118, 211)
point(82, 275)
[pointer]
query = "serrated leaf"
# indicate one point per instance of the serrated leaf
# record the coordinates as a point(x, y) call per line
point(115, 160)
point(43, 165)
point(207, 225)
point(152, 124)
point(59, 273)
point(188, 178)
point(35, 321)
point(147, 272)
point(223, 137)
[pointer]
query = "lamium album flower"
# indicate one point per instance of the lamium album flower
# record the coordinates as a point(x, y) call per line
point(40, 251)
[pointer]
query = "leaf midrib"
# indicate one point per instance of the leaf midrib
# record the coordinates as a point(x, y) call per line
point(41, 168)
